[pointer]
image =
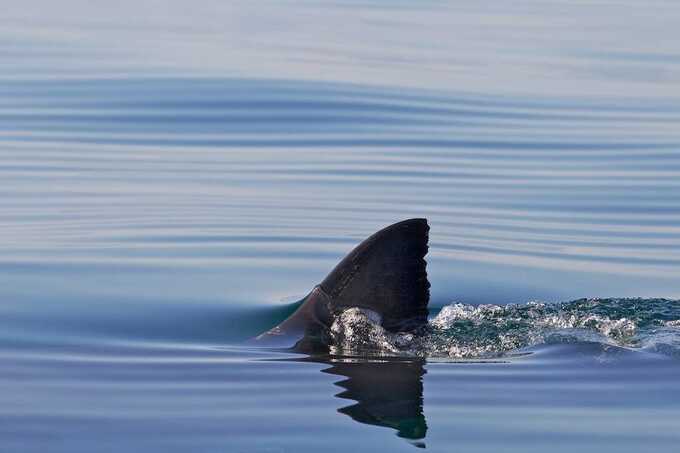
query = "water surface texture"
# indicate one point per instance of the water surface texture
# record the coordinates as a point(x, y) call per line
point(173, 176)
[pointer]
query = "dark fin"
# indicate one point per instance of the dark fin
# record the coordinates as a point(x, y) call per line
point(386, 274)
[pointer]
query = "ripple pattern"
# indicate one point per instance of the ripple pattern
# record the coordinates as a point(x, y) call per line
point(178, 172)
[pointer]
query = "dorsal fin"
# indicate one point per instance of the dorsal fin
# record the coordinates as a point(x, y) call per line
point(386, 273)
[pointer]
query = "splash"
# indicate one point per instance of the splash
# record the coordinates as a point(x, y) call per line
point(485, 331)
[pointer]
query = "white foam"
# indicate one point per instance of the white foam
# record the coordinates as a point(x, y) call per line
point(469, 331)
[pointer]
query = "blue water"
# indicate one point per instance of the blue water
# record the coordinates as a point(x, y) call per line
point(173, 176)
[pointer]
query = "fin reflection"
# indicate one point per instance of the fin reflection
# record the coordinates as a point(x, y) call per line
point(387, 393)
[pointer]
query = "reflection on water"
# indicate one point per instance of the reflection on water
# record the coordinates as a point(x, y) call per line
point(387, 393)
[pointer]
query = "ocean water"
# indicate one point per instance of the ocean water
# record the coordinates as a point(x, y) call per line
point(174, 176)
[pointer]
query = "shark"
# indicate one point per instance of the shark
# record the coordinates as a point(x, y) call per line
point(385, 276)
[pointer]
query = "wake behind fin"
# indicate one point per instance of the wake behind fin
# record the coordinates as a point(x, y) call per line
point(386, 274)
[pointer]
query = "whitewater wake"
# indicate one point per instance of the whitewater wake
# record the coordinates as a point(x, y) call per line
point(486, 331)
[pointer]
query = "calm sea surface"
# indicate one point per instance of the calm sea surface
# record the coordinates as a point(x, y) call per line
point(173, 175)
